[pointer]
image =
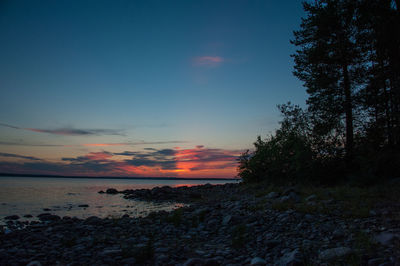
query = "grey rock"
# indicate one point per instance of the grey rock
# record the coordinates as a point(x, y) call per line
point(272, 195)
point(291, 197)
point(375, 262)
point(194, 262)
point(288, 190)
point(258, 261)
point(334, 253)
point(385, 238)
point(110, 252)
point(226, 219)
point(293, 258)
point(34, 263)
point(311, 198)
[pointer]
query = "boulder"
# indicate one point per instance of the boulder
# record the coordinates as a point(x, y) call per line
point(292, 258)
point(258, 261)
point(334, 253)
point(385, 238)
point(272, 195)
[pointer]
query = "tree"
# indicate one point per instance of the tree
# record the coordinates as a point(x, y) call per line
point(328, 62)
point(283, 157)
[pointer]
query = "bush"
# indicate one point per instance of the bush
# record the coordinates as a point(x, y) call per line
point(283, 157)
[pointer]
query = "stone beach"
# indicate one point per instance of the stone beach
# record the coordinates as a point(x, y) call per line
point(231, 224)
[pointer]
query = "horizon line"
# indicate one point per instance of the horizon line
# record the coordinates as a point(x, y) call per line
point(119, 177)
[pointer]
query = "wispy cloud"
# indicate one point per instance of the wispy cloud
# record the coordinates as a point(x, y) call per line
point(70, 131)
point(199, 161)
point(77, 132)
point(134, 143)
point(11, 155)
point(20, 143)
point(208, 61)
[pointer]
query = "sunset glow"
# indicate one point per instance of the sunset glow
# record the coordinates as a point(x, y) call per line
point(135, 88)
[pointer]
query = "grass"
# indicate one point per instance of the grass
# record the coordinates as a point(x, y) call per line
point(349, 201)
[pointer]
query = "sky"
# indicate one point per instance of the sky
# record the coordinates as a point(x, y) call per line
point(142, 88)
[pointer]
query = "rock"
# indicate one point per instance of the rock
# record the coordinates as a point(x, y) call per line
point(375, 262)
point(93, 220)
point(271, 243)
point(385, 238)
point(311, 198)
point(129, 261)
point(28, 216)
point(112, 191)
point(83, 205)
point(293, 258)
point(272, 195)
point(34, 263)
point(258, 261)
point(288, 190)
point(101, 192)
point(291, 197)
point(334, 253)
point(12, 217)
point(294, 197)
point(49, 217)
point(194, 262)
point(226, 219)
point(110, 252)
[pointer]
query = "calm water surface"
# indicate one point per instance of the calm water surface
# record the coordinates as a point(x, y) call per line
point(62, 196)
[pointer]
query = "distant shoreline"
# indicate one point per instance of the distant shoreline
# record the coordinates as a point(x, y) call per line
point(115, 177)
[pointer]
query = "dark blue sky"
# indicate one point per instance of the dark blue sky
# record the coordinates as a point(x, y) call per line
point(194, 72)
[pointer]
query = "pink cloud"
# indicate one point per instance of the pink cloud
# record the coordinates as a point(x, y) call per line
point(209, 61)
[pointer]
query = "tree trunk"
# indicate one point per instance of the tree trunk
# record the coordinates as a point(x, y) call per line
point(348, 108)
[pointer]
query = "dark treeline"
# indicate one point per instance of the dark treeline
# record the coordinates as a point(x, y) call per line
point(348, 57)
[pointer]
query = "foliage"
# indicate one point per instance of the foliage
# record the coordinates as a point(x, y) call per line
point(348, 58)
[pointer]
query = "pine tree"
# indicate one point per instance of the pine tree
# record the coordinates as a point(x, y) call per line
point(328, 62)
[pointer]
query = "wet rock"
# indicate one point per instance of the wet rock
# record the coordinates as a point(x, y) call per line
point(334, 253)
point(112, 191)
point(28, 216)
point(49, 217)
point(12, 217)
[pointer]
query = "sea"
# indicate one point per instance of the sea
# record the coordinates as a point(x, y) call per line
point(79, 197)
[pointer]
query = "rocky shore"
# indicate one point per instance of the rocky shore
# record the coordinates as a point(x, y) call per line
point(230, 224)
